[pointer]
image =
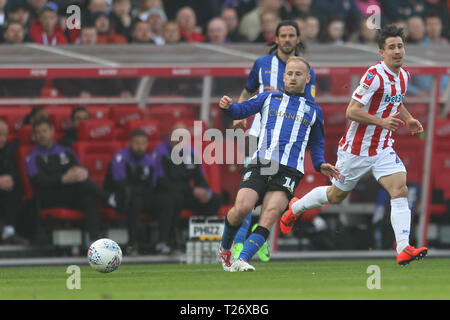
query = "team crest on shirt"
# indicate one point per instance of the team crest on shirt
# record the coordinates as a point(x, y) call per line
point(63, 158)
point(370, 75)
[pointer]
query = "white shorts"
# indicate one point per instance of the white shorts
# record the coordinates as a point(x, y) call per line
point(353, 167)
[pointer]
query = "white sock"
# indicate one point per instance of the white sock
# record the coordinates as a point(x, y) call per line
point(316, 198)
point(401, 222)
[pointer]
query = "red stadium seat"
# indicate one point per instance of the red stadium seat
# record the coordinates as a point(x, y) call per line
point(98, 111)
point(60, 117)
point(441, 172)
point(45, 213)
point(443, 135)
point(122, 114)
point(411, 153)
point(14, 117)
point(170, 114)
point(96, 129)
point(25, 135)
point(150, 126)
point(96, 156)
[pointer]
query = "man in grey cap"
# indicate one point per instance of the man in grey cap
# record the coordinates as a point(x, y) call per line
point(156, 18)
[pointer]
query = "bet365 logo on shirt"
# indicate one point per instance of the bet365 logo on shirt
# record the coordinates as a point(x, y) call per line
point(392, 99)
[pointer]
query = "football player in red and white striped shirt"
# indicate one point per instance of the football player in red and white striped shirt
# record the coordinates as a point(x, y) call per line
point(375, 110)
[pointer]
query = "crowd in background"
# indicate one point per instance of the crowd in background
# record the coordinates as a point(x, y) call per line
point(217, 21)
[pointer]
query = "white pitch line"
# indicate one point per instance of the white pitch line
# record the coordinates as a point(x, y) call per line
point(74, 55)
point(418, 60)
point(231, 52)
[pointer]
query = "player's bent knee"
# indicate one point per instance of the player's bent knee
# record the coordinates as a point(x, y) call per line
point(401, 192)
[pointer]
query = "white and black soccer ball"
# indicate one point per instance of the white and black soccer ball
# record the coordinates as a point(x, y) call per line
point(104, 255)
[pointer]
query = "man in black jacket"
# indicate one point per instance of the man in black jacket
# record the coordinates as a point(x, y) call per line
point(59, 179)
point(11, 190)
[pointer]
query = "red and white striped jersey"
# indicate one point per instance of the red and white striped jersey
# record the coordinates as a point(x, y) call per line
point(381, 92)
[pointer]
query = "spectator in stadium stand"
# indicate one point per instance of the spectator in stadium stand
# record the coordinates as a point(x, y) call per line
point(141, 33)
point(45, 29)
point(171, 33)
point(38, 112)
point(20, 12)
point(2, 13)
point(334, 32)
point(301, 8)
point(121, 19)
point(433, 30)
point(231, 18)
point(10, 190)
point(269, 21)
point(78, 115)
point(105, 33)
point(416, 30)
point(300, 21)
point(130, 178)
point(35, 7)
point(347, 10)
point(401, 23)
point(88, 35)
point(402, 9)
point(187, 22)
point(311, 30)
point(186, 179)
point(217, 31)
point(59, 180)
point(251, 22)
point(95, 6)
point(421, 84)
point(204, 10)
point(157, 18)
point(14, 33)
point(365, 34)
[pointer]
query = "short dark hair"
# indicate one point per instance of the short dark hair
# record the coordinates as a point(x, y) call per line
point(389, 31)
point(40, 121)
point(77, 109)
point(138, 133)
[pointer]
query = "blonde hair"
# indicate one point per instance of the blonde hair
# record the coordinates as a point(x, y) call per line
point(298, 59)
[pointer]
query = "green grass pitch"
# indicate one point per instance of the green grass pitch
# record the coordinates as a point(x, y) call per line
point(293, 280)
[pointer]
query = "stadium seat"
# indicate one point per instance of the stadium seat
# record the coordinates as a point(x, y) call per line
point(441, 172)
point(14, 117)
point(96, 129)
point(60, 117)
point(25, 135)
point(122, 114)
point(150, 126)
point(443, 135)
point(65, 214)
point(411, 153)
point(98, 111)
point(96, 156)
point(170, 114)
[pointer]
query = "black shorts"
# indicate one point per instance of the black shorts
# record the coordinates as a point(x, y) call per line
point(285, 179)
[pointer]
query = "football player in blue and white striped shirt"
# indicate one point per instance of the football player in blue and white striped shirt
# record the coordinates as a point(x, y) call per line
point(267, 75)
point(289, 124)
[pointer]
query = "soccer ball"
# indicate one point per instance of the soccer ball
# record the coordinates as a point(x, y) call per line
point(104, 255)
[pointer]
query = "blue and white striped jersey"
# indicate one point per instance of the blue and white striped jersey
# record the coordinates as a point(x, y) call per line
point(268, 71)
point(289, 125)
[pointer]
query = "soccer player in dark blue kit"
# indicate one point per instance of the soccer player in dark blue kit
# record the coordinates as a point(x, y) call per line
point(267, 75)
point(289, 124)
